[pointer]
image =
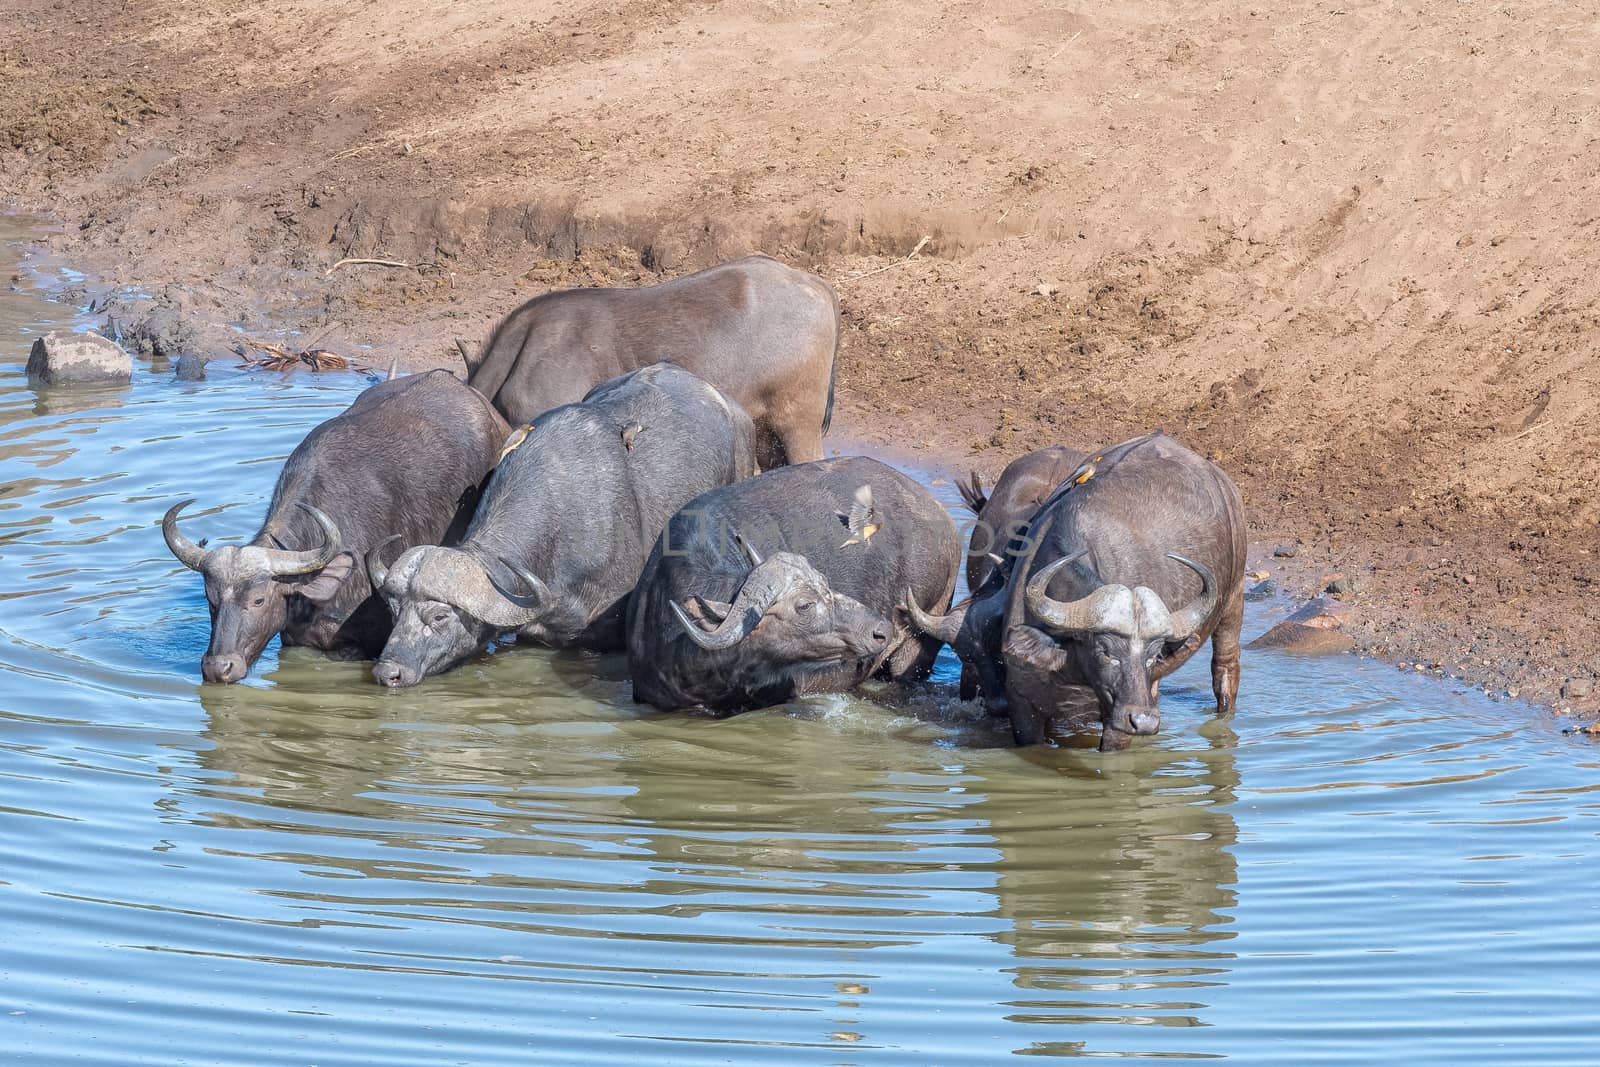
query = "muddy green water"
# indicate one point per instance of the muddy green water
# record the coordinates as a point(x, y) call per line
point(514, 864)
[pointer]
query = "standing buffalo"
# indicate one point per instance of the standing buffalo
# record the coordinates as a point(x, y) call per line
point(1130, 566)
point(1005, 511)
point(763, 333)
point(403, 461)
point(1002, 517)
point(790, 583)
point(569, 515)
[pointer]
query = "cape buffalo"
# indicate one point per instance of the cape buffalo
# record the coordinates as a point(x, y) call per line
point(1002, 516)
point(1134, 561)
point(404, 461)
point(1004, 512)
point(790, 583)
point(763, 333)
point(568, 516)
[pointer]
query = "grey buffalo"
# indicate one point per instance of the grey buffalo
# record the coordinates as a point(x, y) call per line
point(565, 523)
point(788, 584)
point(1132, 564)
point(404, 461)
point(765, 334)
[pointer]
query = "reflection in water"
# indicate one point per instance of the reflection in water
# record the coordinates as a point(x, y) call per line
point(832, 860)
point(513, 863)
point(1133, 927)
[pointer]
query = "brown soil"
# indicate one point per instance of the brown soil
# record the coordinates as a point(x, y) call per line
point(1349, 251)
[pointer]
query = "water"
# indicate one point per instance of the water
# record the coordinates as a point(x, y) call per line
point(514, 864)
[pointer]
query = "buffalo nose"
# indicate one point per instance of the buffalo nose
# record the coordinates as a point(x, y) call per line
point(222, 668)
point(880, 635)
point(392, 674)
point(1144, 720)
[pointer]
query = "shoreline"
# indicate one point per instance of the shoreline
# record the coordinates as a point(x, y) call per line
point(1300, 578)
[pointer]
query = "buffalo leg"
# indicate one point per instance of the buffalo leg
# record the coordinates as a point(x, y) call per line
point(1225, 652)
point(799, 444)
point(770, 452)
point(992, 685)
point(969, 681)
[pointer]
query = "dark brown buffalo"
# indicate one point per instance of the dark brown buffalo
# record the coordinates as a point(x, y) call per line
point(1131, 565)
point(763, 333)
point(1005, 510)
point(1000, 516)
point(403, 462)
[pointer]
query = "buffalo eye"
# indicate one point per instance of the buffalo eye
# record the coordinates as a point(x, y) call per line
point(258, 601)
point(804, 606)
point(439, 618)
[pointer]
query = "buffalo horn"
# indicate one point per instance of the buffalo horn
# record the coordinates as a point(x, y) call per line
point(283, 563)
point(749, 550)
point(754, 598)
point(944, 627)
point(532, 603)
point(376, 571)
point(1192, 615)
point(1059, 614)
point(189, 554)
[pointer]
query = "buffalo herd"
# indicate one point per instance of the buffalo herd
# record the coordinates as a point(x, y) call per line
point(642, 470)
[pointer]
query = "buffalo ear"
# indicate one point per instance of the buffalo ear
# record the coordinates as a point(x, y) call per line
point(1181, 648)
point(322, 585)
point(706, 611)
point(1030, 646)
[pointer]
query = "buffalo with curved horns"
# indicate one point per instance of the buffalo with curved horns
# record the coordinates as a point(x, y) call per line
point(404, 461)
point(565, 523)
point(1132, 564)
point(763, 333)
point(790, 583)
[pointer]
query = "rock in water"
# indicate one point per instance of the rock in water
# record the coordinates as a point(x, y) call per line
point(62, 357)
point(1305, 640)
point(1263, 590)
point(190, 367)
point(1311, 631)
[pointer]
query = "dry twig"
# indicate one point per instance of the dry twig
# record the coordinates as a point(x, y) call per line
point(374, 262)
point(1063, 48)
point(281, 358)
point(890, 266)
